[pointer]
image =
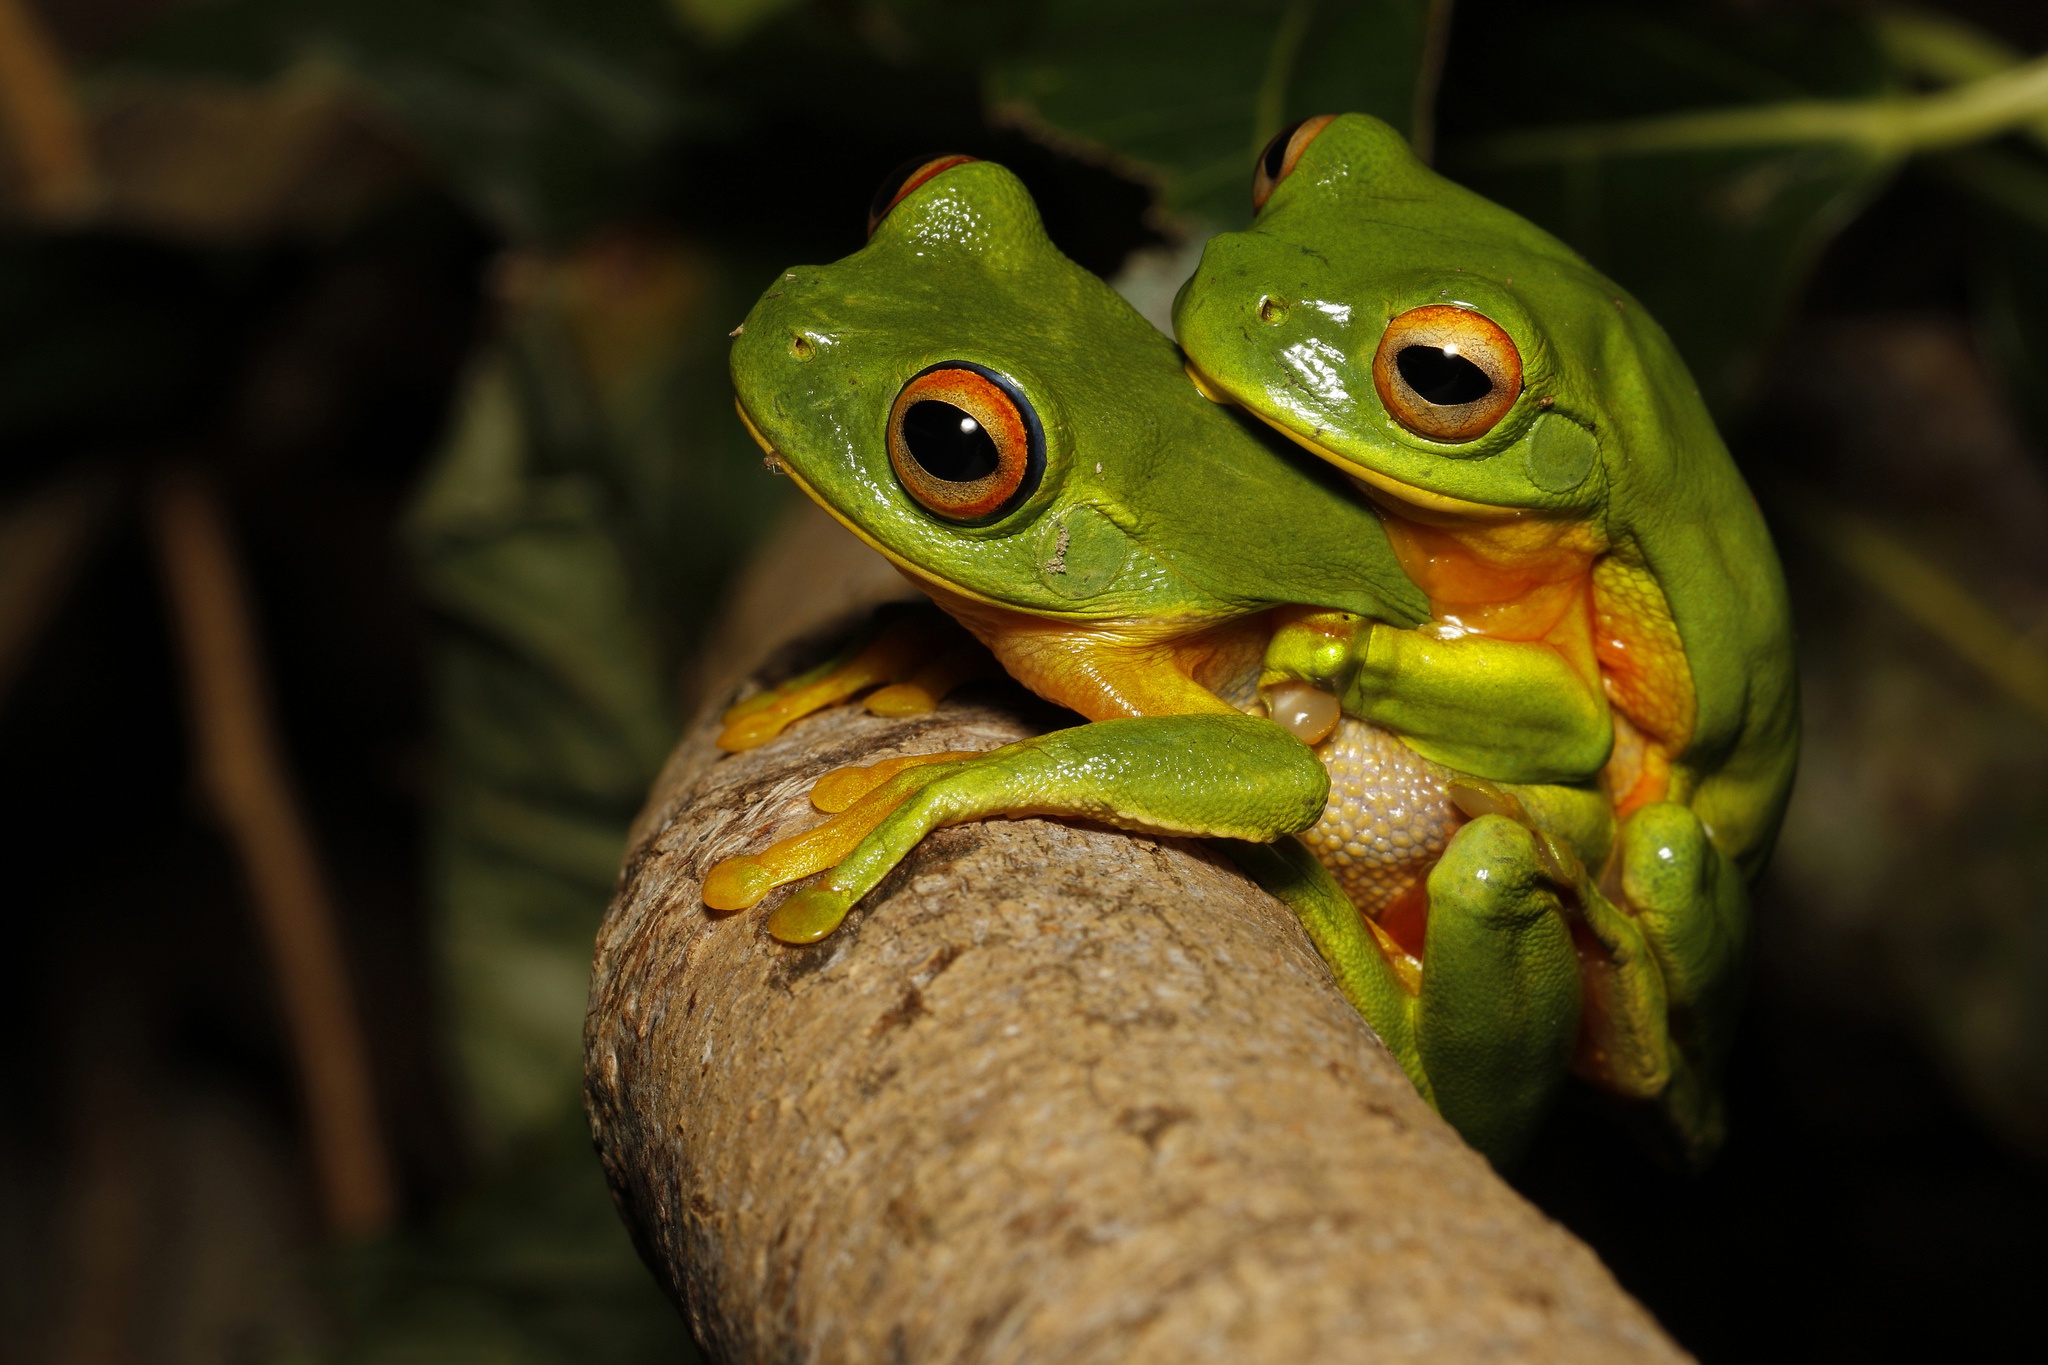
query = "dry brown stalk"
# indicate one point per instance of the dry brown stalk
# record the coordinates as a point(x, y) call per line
point(243, 771)
point(44, 129)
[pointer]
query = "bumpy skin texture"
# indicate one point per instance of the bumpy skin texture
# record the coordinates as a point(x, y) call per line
point(1389, 816)
point(1135, 582)
point(1604, 485)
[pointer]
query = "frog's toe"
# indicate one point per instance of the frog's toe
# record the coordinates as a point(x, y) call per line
point(842, 787)
point(923, 692)
point(738, 883)
point(904, 699)
point(741, 881)
point(919, 657)
point(809, 915)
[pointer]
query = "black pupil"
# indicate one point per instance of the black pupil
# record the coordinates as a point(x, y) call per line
point(1276, 150)
point(1442, 378)
point(949, 443)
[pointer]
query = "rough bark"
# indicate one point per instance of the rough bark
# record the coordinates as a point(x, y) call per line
point(1054, 1093)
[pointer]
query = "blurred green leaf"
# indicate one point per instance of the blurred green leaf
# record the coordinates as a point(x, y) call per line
point(2010, 187)
point(536, 110)
point(1946, 50)
point(723, 20)
point(534, 1268)
point(551, 702)
point(2009, 268)
point(1185, 94)
point(1717, 242)
point(590, 499)
point(594, 491)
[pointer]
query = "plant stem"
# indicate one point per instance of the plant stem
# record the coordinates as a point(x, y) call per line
point(1889, 128)
point(243, 771)
point(39, 118)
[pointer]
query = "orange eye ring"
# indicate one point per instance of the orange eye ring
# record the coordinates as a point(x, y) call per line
point(906, 178)
point(1276, 163)
point(1447, 373)
point(965, 443)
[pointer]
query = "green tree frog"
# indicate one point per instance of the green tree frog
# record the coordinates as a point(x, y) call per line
point(1548, 474)
point(1027, 449)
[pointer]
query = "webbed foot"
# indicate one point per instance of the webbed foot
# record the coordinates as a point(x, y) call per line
point(859, 798)
point(1499, 1006)
point(1693, 907)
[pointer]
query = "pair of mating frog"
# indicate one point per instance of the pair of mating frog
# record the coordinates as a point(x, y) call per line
point(1503, 708)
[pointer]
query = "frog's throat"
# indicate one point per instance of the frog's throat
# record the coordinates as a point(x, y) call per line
point(1422, 504)
point(902, 565)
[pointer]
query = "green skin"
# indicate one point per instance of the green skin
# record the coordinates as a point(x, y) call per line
point(1361, 231)
point(1149, 497)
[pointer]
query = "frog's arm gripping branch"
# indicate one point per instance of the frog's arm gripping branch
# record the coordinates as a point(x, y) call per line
point(1260, 783)
point(1499, 709)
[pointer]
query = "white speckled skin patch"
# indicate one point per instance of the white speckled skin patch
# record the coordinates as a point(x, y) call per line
point(1389, 815)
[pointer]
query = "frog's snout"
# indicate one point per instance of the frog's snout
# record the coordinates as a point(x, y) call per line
point(783, 325)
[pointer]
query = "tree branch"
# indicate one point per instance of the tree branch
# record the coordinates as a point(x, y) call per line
point(1053, 1093)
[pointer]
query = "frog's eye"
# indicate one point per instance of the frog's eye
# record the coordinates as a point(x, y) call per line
point(903, 180)
point(965, 443)
point(1447, 373)
point(1276, 163)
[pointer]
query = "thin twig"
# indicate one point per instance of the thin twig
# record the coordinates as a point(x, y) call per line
point(243, 770)
point(1935, 599)
point(42, 123)
point(44, 539)
point(1888, 127)
point(1269, 102)
point(1436, 44)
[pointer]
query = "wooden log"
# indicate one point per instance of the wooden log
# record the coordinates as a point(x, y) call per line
point(1054, 1093)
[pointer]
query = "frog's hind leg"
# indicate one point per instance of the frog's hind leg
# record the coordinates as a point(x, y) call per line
point(1500, 1001)
point(1693, 907)
point(915, 659)
point(1376, 975)
point(1259, 783)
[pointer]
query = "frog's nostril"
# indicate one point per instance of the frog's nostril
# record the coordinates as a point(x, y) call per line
point(1271, 310)
point(801, 346)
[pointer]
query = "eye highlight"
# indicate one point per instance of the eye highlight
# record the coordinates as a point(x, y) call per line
point(964, 442)
point(1447, 373)
point(1276, 163)
point(905, 178)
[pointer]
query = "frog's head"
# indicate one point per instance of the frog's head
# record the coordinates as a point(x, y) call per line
point(994, 418)
point(1435, 346)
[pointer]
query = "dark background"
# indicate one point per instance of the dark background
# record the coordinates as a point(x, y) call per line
point(431, 296)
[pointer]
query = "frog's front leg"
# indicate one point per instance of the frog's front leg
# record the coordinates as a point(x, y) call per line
point(1258, 783)
point(1511, 711)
